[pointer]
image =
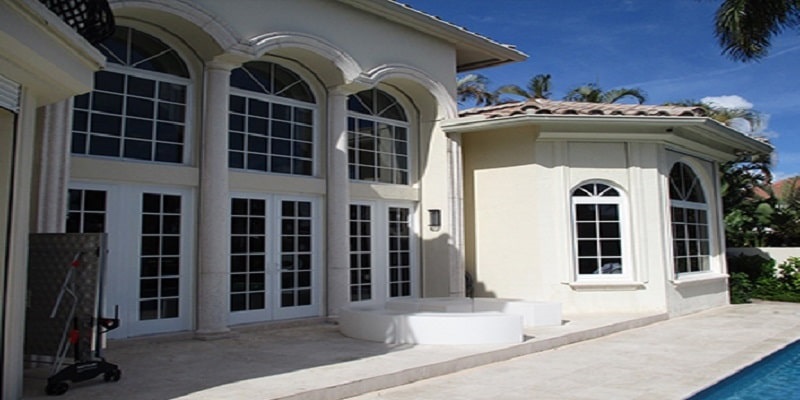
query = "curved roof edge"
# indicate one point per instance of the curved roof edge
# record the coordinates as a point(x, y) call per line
point(473, 51)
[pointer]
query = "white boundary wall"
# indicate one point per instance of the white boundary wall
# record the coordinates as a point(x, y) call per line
point(779, 254)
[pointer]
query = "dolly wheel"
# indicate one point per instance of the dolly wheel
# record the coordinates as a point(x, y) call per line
point(56, 389)
point(112, 376)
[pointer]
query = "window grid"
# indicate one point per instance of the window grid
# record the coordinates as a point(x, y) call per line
point(248, 254)
point(598, 230)
point(377, 151)
point(296, 253)
point(138, 112)
point(399, 252)
point(377, 138)
point(86, 211)
point(360, 253)
point(265, 135)
point(159, 273)
point(691, 243)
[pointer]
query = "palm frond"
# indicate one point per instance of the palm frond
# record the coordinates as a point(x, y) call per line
point(745, 28)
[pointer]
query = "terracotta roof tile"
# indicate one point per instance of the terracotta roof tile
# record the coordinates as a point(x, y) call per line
point(553, 107)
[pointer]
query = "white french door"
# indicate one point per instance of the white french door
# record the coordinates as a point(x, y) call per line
point(150, 235)
point(275, 258)
point(383, 252)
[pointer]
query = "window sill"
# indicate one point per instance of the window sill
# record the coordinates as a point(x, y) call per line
point(605, 286)
point(698, 279)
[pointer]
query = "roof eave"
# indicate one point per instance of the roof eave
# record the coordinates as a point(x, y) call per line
point(665, 128)
point(491, 53)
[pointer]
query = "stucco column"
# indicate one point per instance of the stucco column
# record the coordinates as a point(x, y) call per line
point(55, 122)
point(456, 200)
point(214, 216)
point(337, 203)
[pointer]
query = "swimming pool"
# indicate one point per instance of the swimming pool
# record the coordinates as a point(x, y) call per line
point(775, 377)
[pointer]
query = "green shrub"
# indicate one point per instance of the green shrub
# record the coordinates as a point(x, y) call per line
point(740, 288)
point(759, 278)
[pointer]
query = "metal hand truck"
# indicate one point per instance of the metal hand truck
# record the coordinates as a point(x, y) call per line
point(78, 331)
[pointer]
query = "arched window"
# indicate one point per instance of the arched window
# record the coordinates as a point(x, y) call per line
point(599, 234)
point(377, 138)
point(690, 232)
point(271, 120)
point(138, 107)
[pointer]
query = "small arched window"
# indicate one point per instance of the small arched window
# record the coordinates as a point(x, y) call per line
point(137, 109)
point(377, 138)
point(690, 230)
point(599, 234)
point(271, 123)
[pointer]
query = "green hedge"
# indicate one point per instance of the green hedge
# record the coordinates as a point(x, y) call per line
point(756, 277)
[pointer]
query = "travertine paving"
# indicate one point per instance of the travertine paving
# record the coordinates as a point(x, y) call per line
point(584, 358)
point(668, 360)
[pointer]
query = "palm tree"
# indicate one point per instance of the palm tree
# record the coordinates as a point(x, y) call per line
point(475, 87)
point(745, 28)
point(725, 116)
point(538, 87)
point(592, 93)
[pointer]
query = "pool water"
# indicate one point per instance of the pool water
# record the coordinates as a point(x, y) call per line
point(777, 376)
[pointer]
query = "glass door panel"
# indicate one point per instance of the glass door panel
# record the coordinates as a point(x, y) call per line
point(160, 252)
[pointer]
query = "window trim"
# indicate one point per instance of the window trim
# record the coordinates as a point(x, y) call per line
point(273, 311)
point(703, 274)
point(409, 125)
point(273, 99)
point(620, 281)
point(189, 135)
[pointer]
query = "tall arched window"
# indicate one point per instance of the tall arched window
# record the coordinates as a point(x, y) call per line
point(137, 109)
point(690, 232)
point(271, 120)
point(599, 233)
point(377, 138)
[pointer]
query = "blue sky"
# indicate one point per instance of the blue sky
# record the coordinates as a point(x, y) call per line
point(666, 48)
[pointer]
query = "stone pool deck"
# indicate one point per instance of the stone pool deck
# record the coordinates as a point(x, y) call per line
point(597, 357)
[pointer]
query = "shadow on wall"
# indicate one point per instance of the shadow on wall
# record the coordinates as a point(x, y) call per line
point(475, 288)
point(705, 289)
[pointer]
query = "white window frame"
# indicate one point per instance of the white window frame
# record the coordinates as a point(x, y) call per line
point(123, 224)
point(188, 133)
point(273, 310)
point(621, 202)
point(704, 259)
point(411, 139)
point(381, 291)
point(269, 98)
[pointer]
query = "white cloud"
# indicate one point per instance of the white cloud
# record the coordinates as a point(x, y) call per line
point(731, 102)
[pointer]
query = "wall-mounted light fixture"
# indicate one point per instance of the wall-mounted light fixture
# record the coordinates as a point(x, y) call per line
point(435, 220)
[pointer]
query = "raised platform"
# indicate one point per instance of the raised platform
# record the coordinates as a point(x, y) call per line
point(448, 320)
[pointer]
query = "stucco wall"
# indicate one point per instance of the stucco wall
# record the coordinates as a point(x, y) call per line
point(368, 38)
point(779, 254)
point(338, 50)
point(519, 223)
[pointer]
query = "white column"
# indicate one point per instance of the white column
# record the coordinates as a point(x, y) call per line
point(56, 125)
point(337, 203)
point(456, 200)
point(214, 216)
